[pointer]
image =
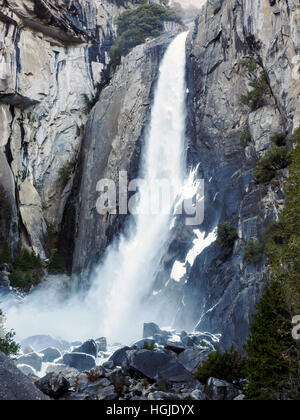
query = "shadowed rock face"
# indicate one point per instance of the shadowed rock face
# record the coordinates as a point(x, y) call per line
point(113, 140)
point(220, 293)
point(15, 385)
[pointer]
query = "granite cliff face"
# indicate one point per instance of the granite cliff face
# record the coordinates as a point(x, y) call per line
point(113, 139)
point(218, 294)
point(53, 60)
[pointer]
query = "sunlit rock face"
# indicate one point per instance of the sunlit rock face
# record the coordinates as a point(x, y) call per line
point(52, 62)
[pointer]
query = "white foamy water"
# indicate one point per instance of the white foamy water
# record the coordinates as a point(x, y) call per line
point(116, 305)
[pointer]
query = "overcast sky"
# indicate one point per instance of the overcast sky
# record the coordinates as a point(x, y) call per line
point(197, 3)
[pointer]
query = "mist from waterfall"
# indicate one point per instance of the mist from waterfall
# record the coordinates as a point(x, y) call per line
point(116, 304)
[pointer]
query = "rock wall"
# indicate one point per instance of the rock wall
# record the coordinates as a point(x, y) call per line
point(218, 294)
point(113, 140)
point(53, 60)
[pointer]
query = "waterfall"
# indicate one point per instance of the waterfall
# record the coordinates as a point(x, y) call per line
point(116, 305)
point(132, 265)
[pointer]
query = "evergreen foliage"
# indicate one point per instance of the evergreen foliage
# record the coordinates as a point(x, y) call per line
point(254, 251)
point(226, 235)
point(136, 25)
point(7, 344)
point(229, 366)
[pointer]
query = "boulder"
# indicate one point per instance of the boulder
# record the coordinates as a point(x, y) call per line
point(218, 390)
point(192, 357)
point(55, 385)
point(119, 356)
point(80, 361)
point(197, 395)
point(28, 350)
point(70, 374)
point(109, 365)
point(40, 342)
point(4, 279)
point(174, 346)
point(50, 354)
point(27, 370)
point(150, 329)
point(107, 393)
point(31, 359)
point(157, 365)
point(15, 385)
point(102, 344)
point(119, 379)
point(88, 347)
point(159, 395)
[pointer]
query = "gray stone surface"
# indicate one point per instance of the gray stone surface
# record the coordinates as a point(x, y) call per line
point(157, 365)
point(50, 354)
point(31, 359)
point(88, 347)
point(14, 385)
point(80, 361)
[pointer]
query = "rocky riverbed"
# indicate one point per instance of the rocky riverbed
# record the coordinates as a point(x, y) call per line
point(160, 366)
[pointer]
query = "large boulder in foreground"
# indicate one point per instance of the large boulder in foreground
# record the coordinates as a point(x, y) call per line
point(157, 366)
point(14, 385)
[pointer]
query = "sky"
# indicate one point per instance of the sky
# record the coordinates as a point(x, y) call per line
point(197, 3)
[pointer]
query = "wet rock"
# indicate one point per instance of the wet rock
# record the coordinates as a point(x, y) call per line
point(157, 365)
point(80, 361)
point(109, 364)
point(15, 385)
point(27, 370)
point(31, 359)
point(4, 279)
point(174, 346)
point(150, 329)
point(217, 389)
point(89, 347)
point(191, 358)
point(102, 344)
point(55, 385)
point(50, 354)
point(145, 341)
point(120, 356)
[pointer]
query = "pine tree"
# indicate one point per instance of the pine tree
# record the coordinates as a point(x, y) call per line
point(268, 367)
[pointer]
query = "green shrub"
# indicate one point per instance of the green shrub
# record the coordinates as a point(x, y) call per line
point(255, 99)
point(57, 264)
point(136, 25)
point(275, 159)
point(246, 64)
point(27, 270)
point(149, 346)
point(245, 138)
point(5, 253)
point(217, 10)
point(226, 235)
point(229, 366)
point(254, 251)
point(65, 172)
point(279, 139)
point(7, 344)
point(27, 261)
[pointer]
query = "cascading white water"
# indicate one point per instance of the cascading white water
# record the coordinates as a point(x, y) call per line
point(115, 305)
point(132, 266)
